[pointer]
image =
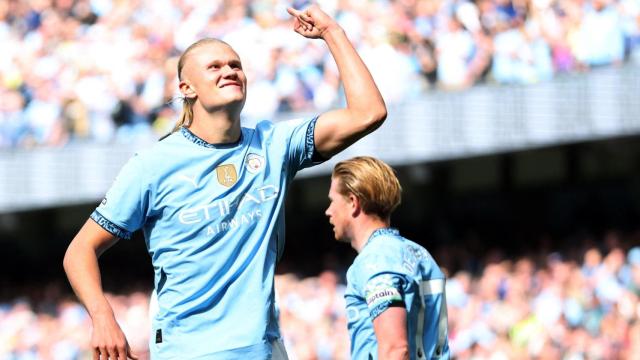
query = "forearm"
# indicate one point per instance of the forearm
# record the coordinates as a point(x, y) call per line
point(81, 267)
point(335, 130)
point(361, 92)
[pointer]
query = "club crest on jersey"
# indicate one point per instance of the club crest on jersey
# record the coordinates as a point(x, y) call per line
point(227, 175)
point(254, 163)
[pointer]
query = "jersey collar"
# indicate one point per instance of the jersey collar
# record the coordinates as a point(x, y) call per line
point(200, 142)
point(381, 232)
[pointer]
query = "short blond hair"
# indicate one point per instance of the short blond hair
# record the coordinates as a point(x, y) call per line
point(372, 181)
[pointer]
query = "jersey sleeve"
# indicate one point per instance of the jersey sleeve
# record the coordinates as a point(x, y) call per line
point(122, 210)
point(298, 136)
point(383, 284)
point(383, 291)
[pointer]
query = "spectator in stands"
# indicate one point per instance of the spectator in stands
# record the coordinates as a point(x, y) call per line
point(601, 37)
point(13, 130)
point(455, 49)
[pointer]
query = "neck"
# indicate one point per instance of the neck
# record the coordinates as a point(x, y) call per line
point(218, 127)
point(363, 229)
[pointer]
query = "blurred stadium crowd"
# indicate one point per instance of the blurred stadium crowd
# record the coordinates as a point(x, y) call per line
point(99, 70)
point(581, 304)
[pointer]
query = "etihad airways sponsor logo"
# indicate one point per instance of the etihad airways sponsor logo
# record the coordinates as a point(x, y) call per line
point(223, 207)
point(239, 220)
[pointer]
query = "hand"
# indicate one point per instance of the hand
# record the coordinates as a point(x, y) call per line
point(312, 23)
point(108, 340)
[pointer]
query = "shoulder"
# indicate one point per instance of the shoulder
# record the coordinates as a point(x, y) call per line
point(390, 252)
point(148, 157)
point(159, 155)
point(283, 131)
point(382, 255)
point(264, 125)
point(386, 245)
point(351, 273)
point(172, 143)
point(416, 256)
point(166, 141)
point(285, 125)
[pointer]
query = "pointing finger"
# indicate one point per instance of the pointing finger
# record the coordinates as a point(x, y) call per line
point(302, 16)
point(292, 11)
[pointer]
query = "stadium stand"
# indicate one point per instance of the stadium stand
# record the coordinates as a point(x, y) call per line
point(89, 70)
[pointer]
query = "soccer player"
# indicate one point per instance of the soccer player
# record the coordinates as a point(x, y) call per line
point(209, 199)
point(396, 306)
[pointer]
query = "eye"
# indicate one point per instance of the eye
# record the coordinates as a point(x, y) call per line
point(214, 66)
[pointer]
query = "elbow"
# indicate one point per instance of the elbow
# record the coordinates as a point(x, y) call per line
point(380, 116)
point(379, 113)
point(70, 257)
point(66, 261)
point(375, 118)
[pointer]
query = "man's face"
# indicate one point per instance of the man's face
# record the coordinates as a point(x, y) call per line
point(339, 212)
point(213, 72)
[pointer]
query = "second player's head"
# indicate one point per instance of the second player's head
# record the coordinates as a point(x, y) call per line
point(211, 79)
point(361, 184)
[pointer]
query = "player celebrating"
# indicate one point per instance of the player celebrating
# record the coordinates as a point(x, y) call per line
point(209, 199)
point(396, 306)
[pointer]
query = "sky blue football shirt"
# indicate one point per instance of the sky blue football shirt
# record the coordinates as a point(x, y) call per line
point(393, 271)
point(213, 222)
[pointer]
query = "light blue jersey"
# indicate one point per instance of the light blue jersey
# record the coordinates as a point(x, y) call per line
point(393, 271)
point(213, 221)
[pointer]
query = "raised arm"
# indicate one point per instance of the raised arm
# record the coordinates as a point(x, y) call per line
point(81, 265)
point(337, 129)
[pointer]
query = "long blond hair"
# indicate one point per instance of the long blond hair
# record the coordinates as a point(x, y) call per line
point(186, 118)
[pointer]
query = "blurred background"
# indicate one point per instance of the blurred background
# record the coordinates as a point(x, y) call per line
point(513, 125)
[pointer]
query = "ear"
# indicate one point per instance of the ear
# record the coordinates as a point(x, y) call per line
point(186, 89)
point(354, 204)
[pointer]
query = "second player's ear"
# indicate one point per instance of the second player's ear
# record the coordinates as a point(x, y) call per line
point(187, 90)
point(355, 205)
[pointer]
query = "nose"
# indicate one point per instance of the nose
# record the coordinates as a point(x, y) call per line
point(228, 71)
point(326, 212)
